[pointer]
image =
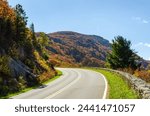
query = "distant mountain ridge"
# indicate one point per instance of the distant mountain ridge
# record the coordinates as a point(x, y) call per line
point(69, 48)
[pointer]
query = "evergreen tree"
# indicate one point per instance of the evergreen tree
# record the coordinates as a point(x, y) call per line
point(20, 23)
point(122, 56)
point(43, 39)
point(33, 37)
point(32, 30)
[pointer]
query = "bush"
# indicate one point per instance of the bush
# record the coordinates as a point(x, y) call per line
point(4, 90)
point(145, 75)
point(41, 61)
point(46, 76)
point(54, 62)
point(29, 63)
point(128, 70)
point(4, 68)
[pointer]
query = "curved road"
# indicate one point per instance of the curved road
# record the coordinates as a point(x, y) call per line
point(73, 84)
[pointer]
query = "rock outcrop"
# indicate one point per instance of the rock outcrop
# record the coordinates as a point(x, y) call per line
point(17, 68)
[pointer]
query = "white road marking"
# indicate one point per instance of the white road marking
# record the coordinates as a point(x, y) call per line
point(64, 88)
point(106, 86)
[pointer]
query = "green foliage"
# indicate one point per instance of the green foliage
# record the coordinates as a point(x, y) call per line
point(21, 14)
point(20, 23)
point(4, 68)
point(43, 39)
point(6, 33)
point(4, 89)
point(33, 37)
point(19, 42)
point(122, 56)
point(29, 63)
point(45, 56)
point(118, 87)
point(43, 64)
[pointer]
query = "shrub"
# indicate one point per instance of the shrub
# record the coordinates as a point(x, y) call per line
point(46, 75)
point(54, 62)
point(29, 63)
point(4, 68)
point(45, 56)
point(22, 82)
point(145, 75)
point(4, 89)
point(41, 61)
point(128, 70)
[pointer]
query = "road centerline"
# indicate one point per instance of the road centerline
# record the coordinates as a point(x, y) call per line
point(64, 88)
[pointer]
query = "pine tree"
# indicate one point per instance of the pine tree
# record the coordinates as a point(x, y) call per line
point(20, 23)
point(122, 56)
point(33, 37)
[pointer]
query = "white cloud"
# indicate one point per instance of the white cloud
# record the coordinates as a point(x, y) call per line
point(145, 21)
point(136, 18)
point(142, 44)
point(140, 19)
point(147, 45)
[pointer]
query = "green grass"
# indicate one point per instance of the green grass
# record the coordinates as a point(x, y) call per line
point(30, 88)
point(17, 93)
point(118, 87)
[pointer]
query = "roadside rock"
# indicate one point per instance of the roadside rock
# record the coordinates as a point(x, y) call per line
point(17, 68)
point(140, 86)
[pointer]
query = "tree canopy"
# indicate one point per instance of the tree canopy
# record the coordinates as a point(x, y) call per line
point(122, 56)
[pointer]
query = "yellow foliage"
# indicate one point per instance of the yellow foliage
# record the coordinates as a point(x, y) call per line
point(54, 62)
point(46, 75)
point(4, 68)
point(41, 61)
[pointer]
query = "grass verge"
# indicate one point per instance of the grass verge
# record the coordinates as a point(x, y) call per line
point(118, 87)
point(30, 88)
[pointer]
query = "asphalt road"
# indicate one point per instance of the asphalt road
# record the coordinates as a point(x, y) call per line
point(73, 84)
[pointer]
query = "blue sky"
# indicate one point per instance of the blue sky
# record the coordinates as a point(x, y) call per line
point(107, 18)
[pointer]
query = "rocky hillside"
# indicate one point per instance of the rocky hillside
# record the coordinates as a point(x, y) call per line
point(23, 57)
point(74, 49)
point(145, 64)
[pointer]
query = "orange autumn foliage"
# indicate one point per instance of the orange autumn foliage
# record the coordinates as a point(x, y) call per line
point(5, 11)
point(143, 74)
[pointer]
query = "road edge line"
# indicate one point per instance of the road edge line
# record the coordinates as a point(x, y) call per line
point(106, 83)
point(106, 86)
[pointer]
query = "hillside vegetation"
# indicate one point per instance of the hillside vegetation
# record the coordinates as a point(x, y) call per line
point(28, 58)
point(74, 49)
point(23, 57)
point(122, 57)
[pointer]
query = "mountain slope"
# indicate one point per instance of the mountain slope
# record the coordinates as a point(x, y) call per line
point(74, 49)
point(23, 57)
